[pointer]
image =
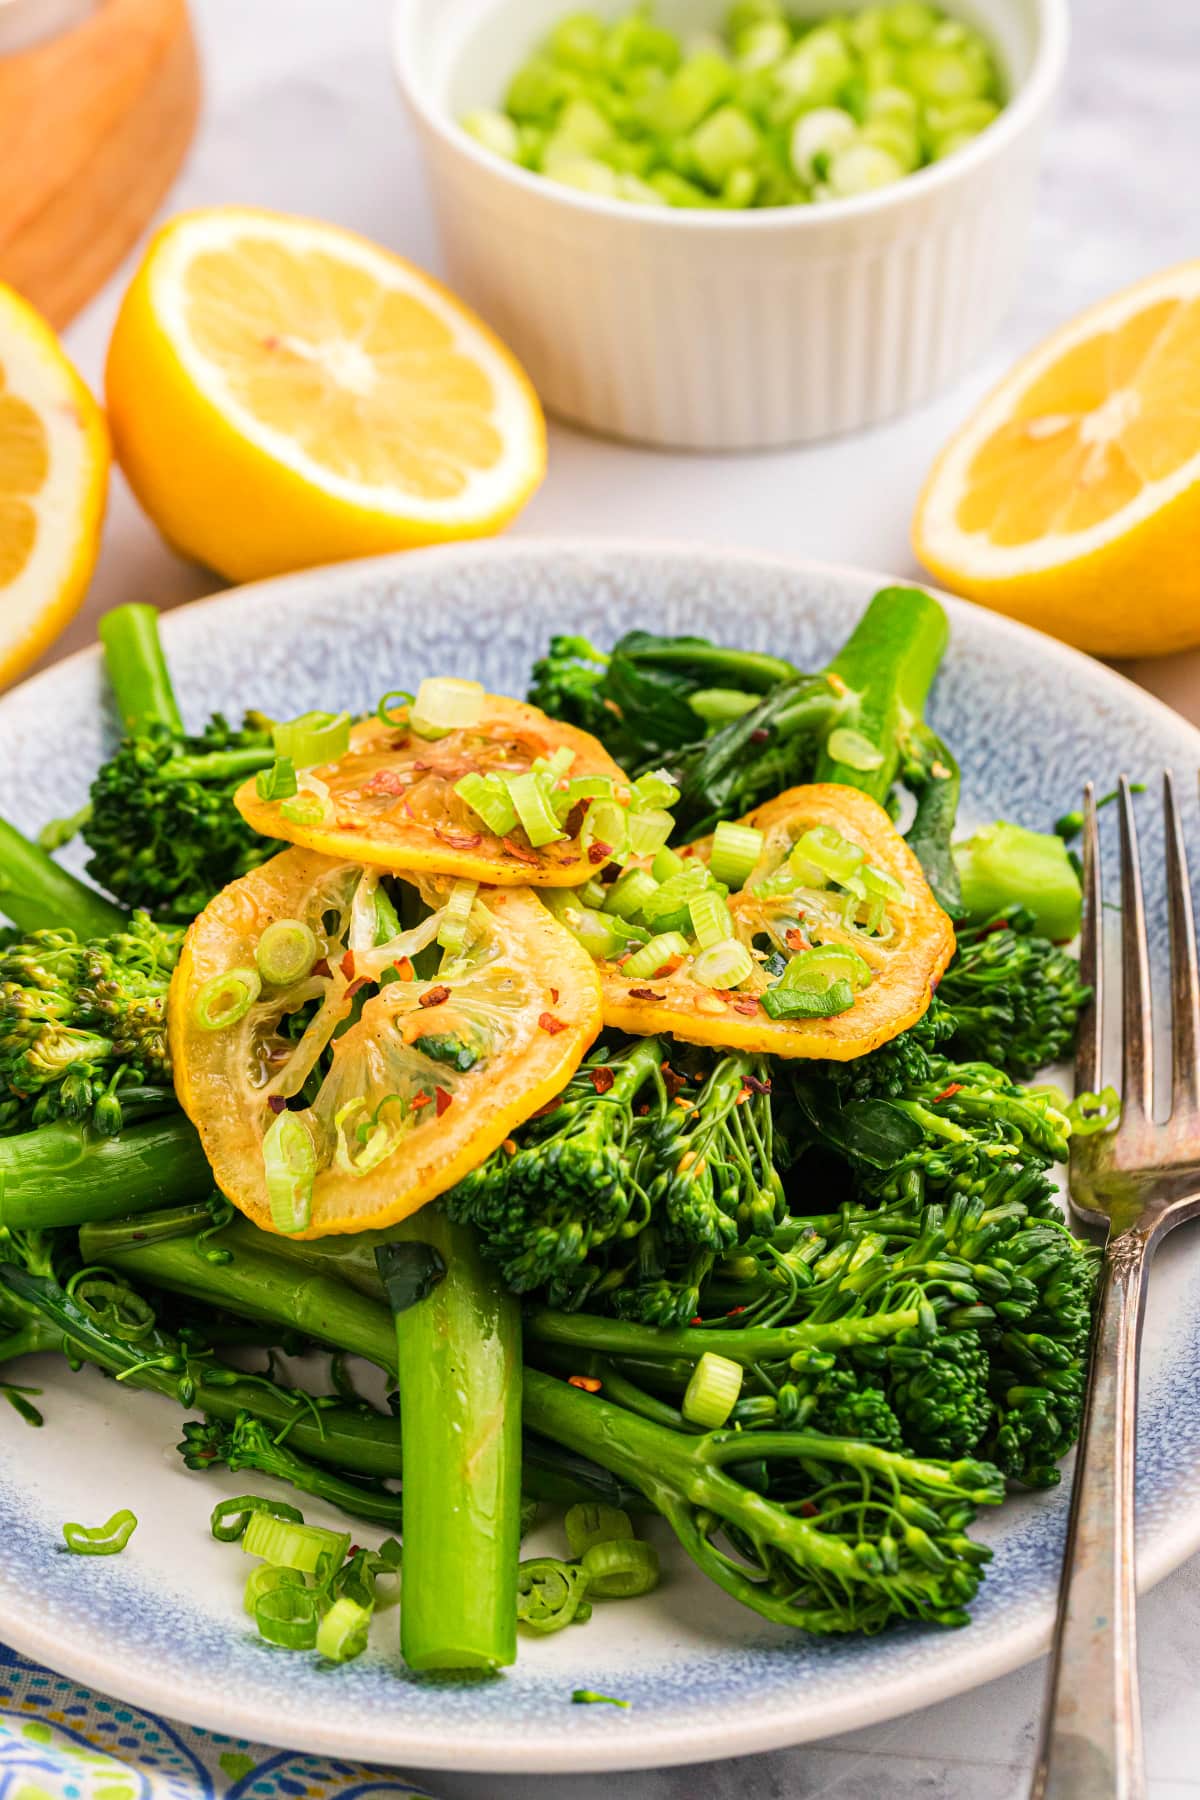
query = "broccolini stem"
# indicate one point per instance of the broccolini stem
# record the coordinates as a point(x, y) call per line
point(217, 765)
point(754, 668)
point(459, 1369)
point(621, 1337)
point(36, 893)
point(66, 1174)
point(889, 662)
point(137, 669)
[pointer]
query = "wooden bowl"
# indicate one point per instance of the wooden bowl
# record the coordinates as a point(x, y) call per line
point(94, 123)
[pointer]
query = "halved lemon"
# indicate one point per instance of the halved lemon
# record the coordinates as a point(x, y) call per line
point(54, 460)
point(1072, 499)
point(284, 393)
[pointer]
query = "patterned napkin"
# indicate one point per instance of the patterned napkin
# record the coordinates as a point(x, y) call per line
point(60, 1742)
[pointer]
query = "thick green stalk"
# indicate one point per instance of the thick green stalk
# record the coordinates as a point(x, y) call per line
point(459, 1369)
point(620, 1337)
point(888, 662)
point(35, 893)
point(64, 1174)
point(256, 1284)
point(137, 669)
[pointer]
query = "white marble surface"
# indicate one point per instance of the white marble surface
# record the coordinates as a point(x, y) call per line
point(300, 114)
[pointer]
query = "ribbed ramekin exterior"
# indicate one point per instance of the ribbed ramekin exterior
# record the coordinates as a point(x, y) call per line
point(732, 339)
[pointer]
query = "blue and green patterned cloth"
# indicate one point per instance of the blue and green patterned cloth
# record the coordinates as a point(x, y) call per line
point(60, 1742)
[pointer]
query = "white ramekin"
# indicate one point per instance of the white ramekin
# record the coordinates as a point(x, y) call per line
point(726, 331)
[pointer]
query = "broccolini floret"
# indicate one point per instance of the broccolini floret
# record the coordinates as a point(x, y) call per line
point(1014, 998)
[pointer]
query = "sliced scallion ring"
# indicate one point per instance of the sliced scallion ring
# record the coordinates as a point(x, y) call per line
point(288, 1545)
point(722, 965)
point(712, 1391)
point(711, 923)
point(807, 1003)
point(286, 952)
point(456, 916)
point(590, 1522)
point(230, 1518)
point(305, 808)
point(290, 1161)
point(735, 850)
point(225, 999)
point(649, 830)
point(530, 795)
point(288, 1616)
point(444, 704)
point(607, 825)
point(342, 1633)
point(262, 1580)
point(655, 955)
point(827, 851)
point(549, 1593)
point(629, 893)
point(487, 797)
point(818, 968)
point(621, 1569)
point(315, 737)
point(108, 1539)
point(854, 749)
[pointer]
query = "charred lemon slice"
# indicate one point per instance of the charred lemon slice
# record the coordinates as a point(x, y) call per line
point(513, 798)
point(833, 946)
point(335, 1088)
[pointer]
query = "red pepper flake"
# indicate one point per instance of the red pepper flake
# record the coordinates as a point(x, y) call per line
point(276, 1102)
point(436, 996)
point(404, 969)
point(399, 743)
point(759, 735)
point(554, 995)
point(356, 986)
point(322, 967)
point(755, 1085)
point(602, 1079)
point(807, 1510)
point(599, 853)
point(509, 1146)
point(442, 1100)
point(458, 840)
point(645, 994)
point(548, 1022)
point(347, 965)
point(734, 1311)
point(422, 766)
point(420, 1100)
point(795, 939)
point(948, 1093)
point(518, 850)
point(668, 968)
point(698, 1320)
point(385, 781)
point(673, 1081)
point(743, 1096)
point(643, 1109)
point(688, 850)
point(587, 1383)
point(745, 1004)
point(550, 1106)
point(573, 823)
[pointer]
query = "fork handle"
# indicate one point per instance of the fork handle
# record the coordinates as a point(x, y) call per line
point(1091, 1745)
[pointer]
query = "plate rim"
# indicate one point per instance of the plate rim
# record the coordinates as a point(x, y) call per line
point(156, 1691)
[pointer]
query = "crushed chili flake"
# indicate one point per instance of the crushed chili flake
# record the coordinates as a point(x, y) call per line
point(755, 1085)
point(357, 985)
point(442, 1100)
point(588, 1383)
point(759, 735)
point(458, 840)
point(643, 1109)
point(518, 850)
point(550, 1106)
point(385, 781)
point(698, 1320)
point(645, 994)
point(548, 1022)
point(554, 995)
point(807, 1510)
point(673, 1081)
point(347, 965)
point(609, 875)
point(743, 1096)
point(745, 1004)
point(668, 968)
point(688, 850)
point(599, 853)
point(420, 1100)
point(276, 1102)
point(436, 996)
point(322, 967)
point(795, 939)
point(573, 823)
point(509, 1146)
point(948, 1093)
point(404, 969)
point(400, 743)
point(421, 765)
point(734, 1311)
point(602, 1079)
point(614, 708)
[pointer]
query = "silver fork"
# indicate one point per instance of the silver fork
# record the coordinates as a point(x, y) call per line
point(1139, 1180)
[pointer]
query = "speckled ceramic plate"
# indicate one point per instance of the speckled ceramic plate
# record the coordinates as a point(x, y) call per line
point(161, 1626)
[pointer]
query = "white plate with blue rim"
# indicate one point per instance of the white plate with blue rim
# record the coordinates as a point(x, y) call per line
point(161, 1626)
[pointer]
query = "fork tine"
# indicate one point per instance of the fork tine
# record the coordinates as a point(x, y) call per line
point(1137, 1087)
point(1185, 980)
point(1089, 1046)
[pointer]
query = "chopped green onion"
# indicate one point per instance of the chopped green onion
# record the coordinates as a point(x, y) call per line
point(564, 800)
point(667, 907)
point(444, 704)
point(225, 999)
point(487, 796)
point(666, 863)
point(589, 1697)
point(717, 706)
point(260, 1581)
point(305, 808)
point(723, 965)
point(315, 737)
point(621, 1569)
point(231, 1517)
point(278, 782)
point(108, 1539)
point(629, 893)
point(393, 697)
point(816, 135)
point(833, 857)
point(805, 1003)
point(655, 955)
point(854, 749)
point(288, 1545)
point(549, 1593)
point(735, 851)
point(530, 796)
point(286, 952)
point(877, 881)
point(652, 791)
point(593, 893)
point(288, 1616)
point(342, 1633)
point(1090, 1112)
point(556, 765)
point(494, 130)
point(818, 968)
point(712, 1391)
point(456, 915)
point(590, 1522)
point(711, 923)
point(607, 824)
point(649, 830)
point(290, 1163)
